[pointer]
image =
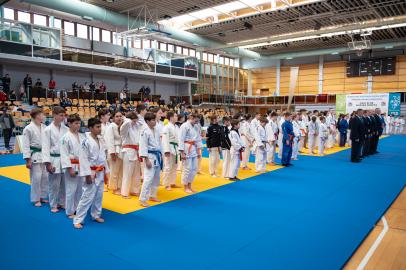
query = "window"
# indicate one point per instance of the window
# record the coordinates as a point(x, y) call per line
point(227, 62)
point(162, 46)
point(185, 51)
point(192, 52)
point(221, 60)
point(117, 39)
point(178, 49)
point(137, 44)
point(9, 13)
point(106, 36)
point(40, 20)
point(24, 17)
point(231, 62)
point(146, 44)
point(96, 33)
point(81, 31)
point(198, 55)
point(57, 23)
point(171, 48)
point(204, 56)
point(210, 57)
point(69, 28)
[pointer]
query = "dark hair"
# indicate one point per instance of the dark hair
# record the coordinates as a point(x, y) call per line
point(287, 114)
point(226, 119)
point(140, 108)
point(247, 116)
point(34, 112)
point(58, 110)
point(149, 116)
point(263, 119)
point(170, 114)
point(270, 111)
point(103, 112)
point(73, 118)
point(93, 121)
point(155, 109)
point(314, 118)
point(274, 114)
point(131, 115)
point(237, 116)
point(213, 117)
point(322, 118)
point(115, 112)
point(234, 122)
point(194, 115)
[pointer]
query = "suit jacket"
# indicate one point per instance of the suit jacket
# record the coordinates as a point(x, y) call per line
point(357, 127)
point(379, 122)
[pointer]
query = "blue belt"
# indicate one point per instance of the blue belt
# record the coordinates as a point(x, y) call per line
point(158, 155)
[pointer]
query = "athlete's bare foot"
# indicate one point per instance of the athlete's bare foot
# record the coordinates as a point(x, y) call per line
point(168, 188)
point(135, 194)
point(152, 199)
point(175, 186)
point(54, 210)
point(117, 192)
point(60, 206)
point(126, 197)
point(188, 190)
point(78, 226)
point(44, 201)
point(144, 204)
point(38, 204)
point(246, 168)
point(99, 220)
point(71, 216)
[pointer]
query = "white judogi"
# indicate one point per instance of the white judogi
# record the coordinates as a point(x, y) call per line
point(72, 153)
point(323, 135)
point(92, 194)
point(248, 138)
point(225, 152)
point(33, 136)
point(130, 137)
point(113, 143)
point(150, 147)
point(272, 131)
point(190, 141)
point(170, 145)
point(280, 136)
point(261, 142)
point(303, 132)
point(296, 139)
point(313, 132)
point(253, 126)
point(199, 159)
point(51, 153)
point(236, 146)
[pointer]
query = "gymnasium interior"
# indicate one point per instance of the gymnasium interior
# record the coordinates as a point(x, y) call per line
point(221, 57)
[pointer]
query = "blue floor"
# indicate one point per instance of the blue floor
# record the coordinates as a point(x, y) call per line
point(311, 216)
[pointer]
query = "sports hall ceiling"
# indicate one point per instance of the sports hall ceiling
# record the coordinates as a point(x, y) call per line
point(255, 24)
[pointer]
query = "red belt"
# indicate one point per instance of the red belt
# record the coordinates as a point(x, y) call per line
point(191, 143)
point(97, 168)
point(241, 154)
point(74, 161)
point(135, 147)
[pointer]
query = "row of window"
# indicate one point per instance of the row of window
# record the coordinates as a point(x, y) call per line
point(98, 34)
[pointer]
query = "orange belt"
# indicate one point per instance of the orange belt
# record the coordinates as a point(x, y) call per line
point(74, 161)
point(135, 147)
point(191, 143)
point(97, 168)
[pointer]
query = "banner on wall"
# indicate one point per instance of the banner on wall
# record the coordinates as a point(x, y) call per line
point(394, 104)
point(367, 102)
point(340, 105)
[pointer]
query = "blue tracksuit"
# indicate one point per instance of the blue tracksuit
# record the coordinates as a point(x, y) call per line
point(288, 135)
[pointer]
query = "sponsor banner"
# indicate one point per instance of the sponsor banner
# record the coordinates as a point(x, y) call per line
point(340, 104)
point(394, 104)
point(367, 102)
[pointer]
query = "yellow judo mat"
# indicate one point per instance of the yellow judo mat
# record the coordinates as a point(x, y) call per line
point(202, 182)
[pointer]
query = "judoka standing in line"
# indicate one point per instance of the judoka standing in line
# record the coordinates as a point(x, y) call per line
point(323, 135)
point(272, 131)
point(213, 142)
point(113, 143)
point(287, 140)
point(33, 135)
point(190, 145)
point(150, 152)
point(51, 153)
point(296, 139)
point(104, 116)
point(225, 147)
point(280, 137)
point(236, 150)
point(313, 133)
point(130, 136)
point(247, 137)
point(94, 171)
point(73, 158)
point(170, 148)
point(261, 146)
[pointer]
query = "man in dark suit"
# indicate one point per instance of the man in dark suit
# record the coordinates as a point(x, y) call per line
point(357, 136)
point(368, 130)
point(380, 123)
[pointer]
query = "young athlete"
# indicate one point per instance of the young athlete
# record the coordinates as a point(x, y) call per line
point(225, 146)
point(236, 150)
point(73, 158)
point(130, 137)
point(261, 146)
point(312, 134)
point(323, 135)
point(248, 139)
point(51, 153)
point(214, 145)
point(287, 140)
point(150, 152)
point(113, 143)
point(272, 131)
point(33, 135)
point(171, 154)
point(94, 172)
point(190, 145)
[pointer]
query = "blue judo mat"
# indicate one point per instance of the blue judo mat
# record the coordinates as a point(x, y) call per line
point(310, 216)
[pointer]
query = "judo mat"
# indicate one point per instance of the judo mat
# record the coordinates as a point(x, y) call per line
point(309, 216)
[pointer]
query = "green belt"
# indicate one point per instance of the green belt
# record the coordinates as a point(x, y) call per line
point(55, 155)
point(35, 150)
point(175, 145)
